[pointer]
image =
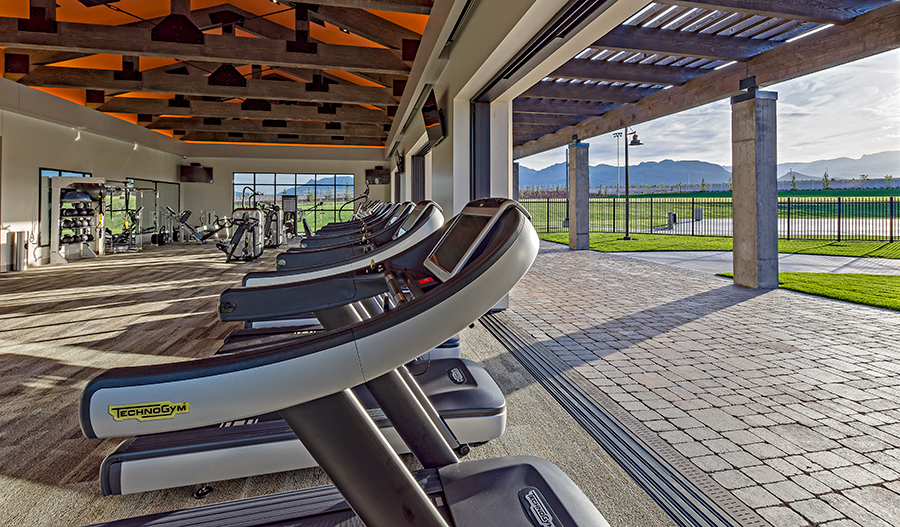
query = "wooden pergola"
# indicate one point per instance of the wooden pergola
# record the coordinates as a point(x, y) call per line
point(325, 72)
point(674, 55)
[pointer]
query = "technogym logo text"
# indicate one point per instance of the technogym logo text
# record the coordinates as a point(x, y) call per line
point(148, 411)
point(537, 508)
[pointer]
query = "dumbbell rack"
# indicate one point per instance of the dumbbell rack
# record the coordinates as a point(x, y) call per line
point(64, 224)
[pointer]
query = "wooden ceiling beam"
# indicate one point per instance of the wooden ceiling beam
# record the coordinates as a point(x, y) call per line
point(251, 22)
point(544, 118)
point(681, 43)
point(586, 92)
point(872, 33)
point(224, 137)
point(827, 11)
point(421, 7)
point(542, 129)
point(604, 70)
point(271, 126)
point(228, 110)
point(123, 40)
point(158, 82)
point(366, 25)
point(559, 107)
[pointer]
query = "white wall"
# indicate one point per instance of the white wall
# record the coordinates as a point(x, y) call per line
point(30, 144)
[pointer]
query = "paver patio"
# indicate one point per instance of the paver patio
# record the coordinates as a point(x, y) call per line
point(789, 401)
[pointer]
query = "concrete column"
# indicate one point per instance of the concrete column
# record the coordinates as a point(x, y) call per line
point(755, 188)
point(515, 182)
point(501, 149)
point(579, 189)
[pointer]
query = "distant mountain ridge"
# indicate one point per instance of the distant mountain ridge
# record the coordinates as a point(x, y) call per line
point(671, 173)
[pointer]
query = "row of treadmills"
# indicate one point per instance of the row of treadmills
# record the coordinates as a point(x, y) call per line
point(348, 355)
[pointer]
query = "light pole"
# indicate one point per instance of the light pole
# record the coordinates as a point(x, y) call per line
point(634, 142)
point(617, 135)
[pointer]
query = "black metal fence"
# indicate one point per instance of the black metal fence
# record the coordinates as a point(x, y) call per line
point(839, 218)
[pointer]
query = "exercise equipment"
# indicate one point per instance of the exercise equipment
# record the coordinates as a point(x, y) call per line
point(482, 253)
point(247, 236)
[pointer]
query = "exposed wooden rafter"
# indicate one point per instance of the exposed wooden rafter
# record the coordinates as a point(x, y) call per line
point(604, 70)
point(682, 43)
point(50, 76)
point(542, 118)
point(829, 11)
point(560, 107)
point(422, 7)
point(283, 138)
point(869, 34)
point(269, 126)
point(90, 38)
point(367, 25)
point(587, 92)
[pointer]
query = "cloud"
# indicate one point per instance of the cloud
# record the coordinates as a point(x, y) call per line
point(849, 111)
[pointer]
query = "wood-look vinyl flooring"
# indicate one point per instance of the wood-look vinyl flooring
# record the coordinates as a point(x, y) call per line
point(62, 325)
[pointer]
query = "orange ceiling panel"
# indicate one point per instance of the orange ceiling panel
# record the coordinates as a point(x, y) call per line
point(128, 117)
point(355, 79)
point(70, 94)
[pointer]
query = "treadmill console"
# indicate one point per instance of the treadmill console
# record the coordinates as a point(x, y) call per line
point(465, 235)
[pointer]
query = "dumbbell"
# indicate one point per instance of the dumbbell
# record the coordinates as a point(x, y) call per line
point(68, 238)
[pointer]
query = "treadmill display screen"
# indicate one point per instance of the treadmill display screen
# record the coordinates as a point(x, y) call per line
point(396, 215)
point(457, 241)
point(408, 223)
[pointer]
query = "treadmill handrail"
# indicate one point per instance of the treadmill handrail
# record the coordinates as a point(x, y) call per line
point(280, 374)
point(428, 222)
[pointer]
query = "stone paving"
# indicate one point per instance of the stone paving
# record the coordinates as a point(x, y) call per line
point(789, 401)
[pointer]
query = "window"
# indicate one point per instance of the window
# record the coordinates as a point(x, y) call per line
point(329, 191)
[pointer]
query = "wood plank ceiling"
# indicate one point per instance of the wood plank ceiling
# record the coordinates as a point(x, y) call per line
point(323, 72)
point(678, 45)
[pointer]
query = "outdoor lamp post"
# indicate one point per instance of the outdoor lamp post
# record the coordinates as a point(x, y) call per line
point(634, 142)
point(617, 135)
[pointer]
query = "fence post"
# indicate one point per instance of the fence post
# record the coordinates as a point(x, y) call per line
point(891, 217)
point(651, 215)
point(615, 213)
point(548, 215)
point(789, 219)
point(839, 219)
point(692, 214)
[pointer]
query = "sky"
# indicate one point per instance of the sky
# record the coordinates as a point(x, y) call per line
point(846, 111)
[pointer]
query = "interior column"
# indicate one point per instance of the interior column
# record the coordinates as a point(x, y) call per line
point(755, 187)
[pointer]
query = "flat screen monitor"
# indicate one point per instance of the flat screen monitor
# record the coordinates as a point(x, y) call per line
point(196, 174)
point(460, 241)
point(434, 120)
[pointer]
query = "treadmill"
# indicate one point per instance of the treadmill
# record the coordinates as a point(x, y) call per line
point(424, 219)
point(475, 261)
point(464, 395)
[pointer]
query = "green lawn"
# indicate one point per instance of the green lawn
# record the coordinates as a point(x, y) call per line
point(613, 242)
point(867, 289)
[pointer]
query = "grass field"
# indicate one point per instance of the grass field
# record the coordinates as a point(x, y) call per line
point(651, 212)
point(613, 242)
point(870, 290)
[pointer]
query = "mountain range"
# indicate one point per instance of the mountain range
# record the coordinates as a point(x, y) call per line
point(671, 173)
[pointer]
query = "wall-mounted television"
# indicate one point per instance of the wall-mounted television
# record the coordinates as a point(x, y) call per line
point(378, 176)
point(434, 120)
point(194, 173)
